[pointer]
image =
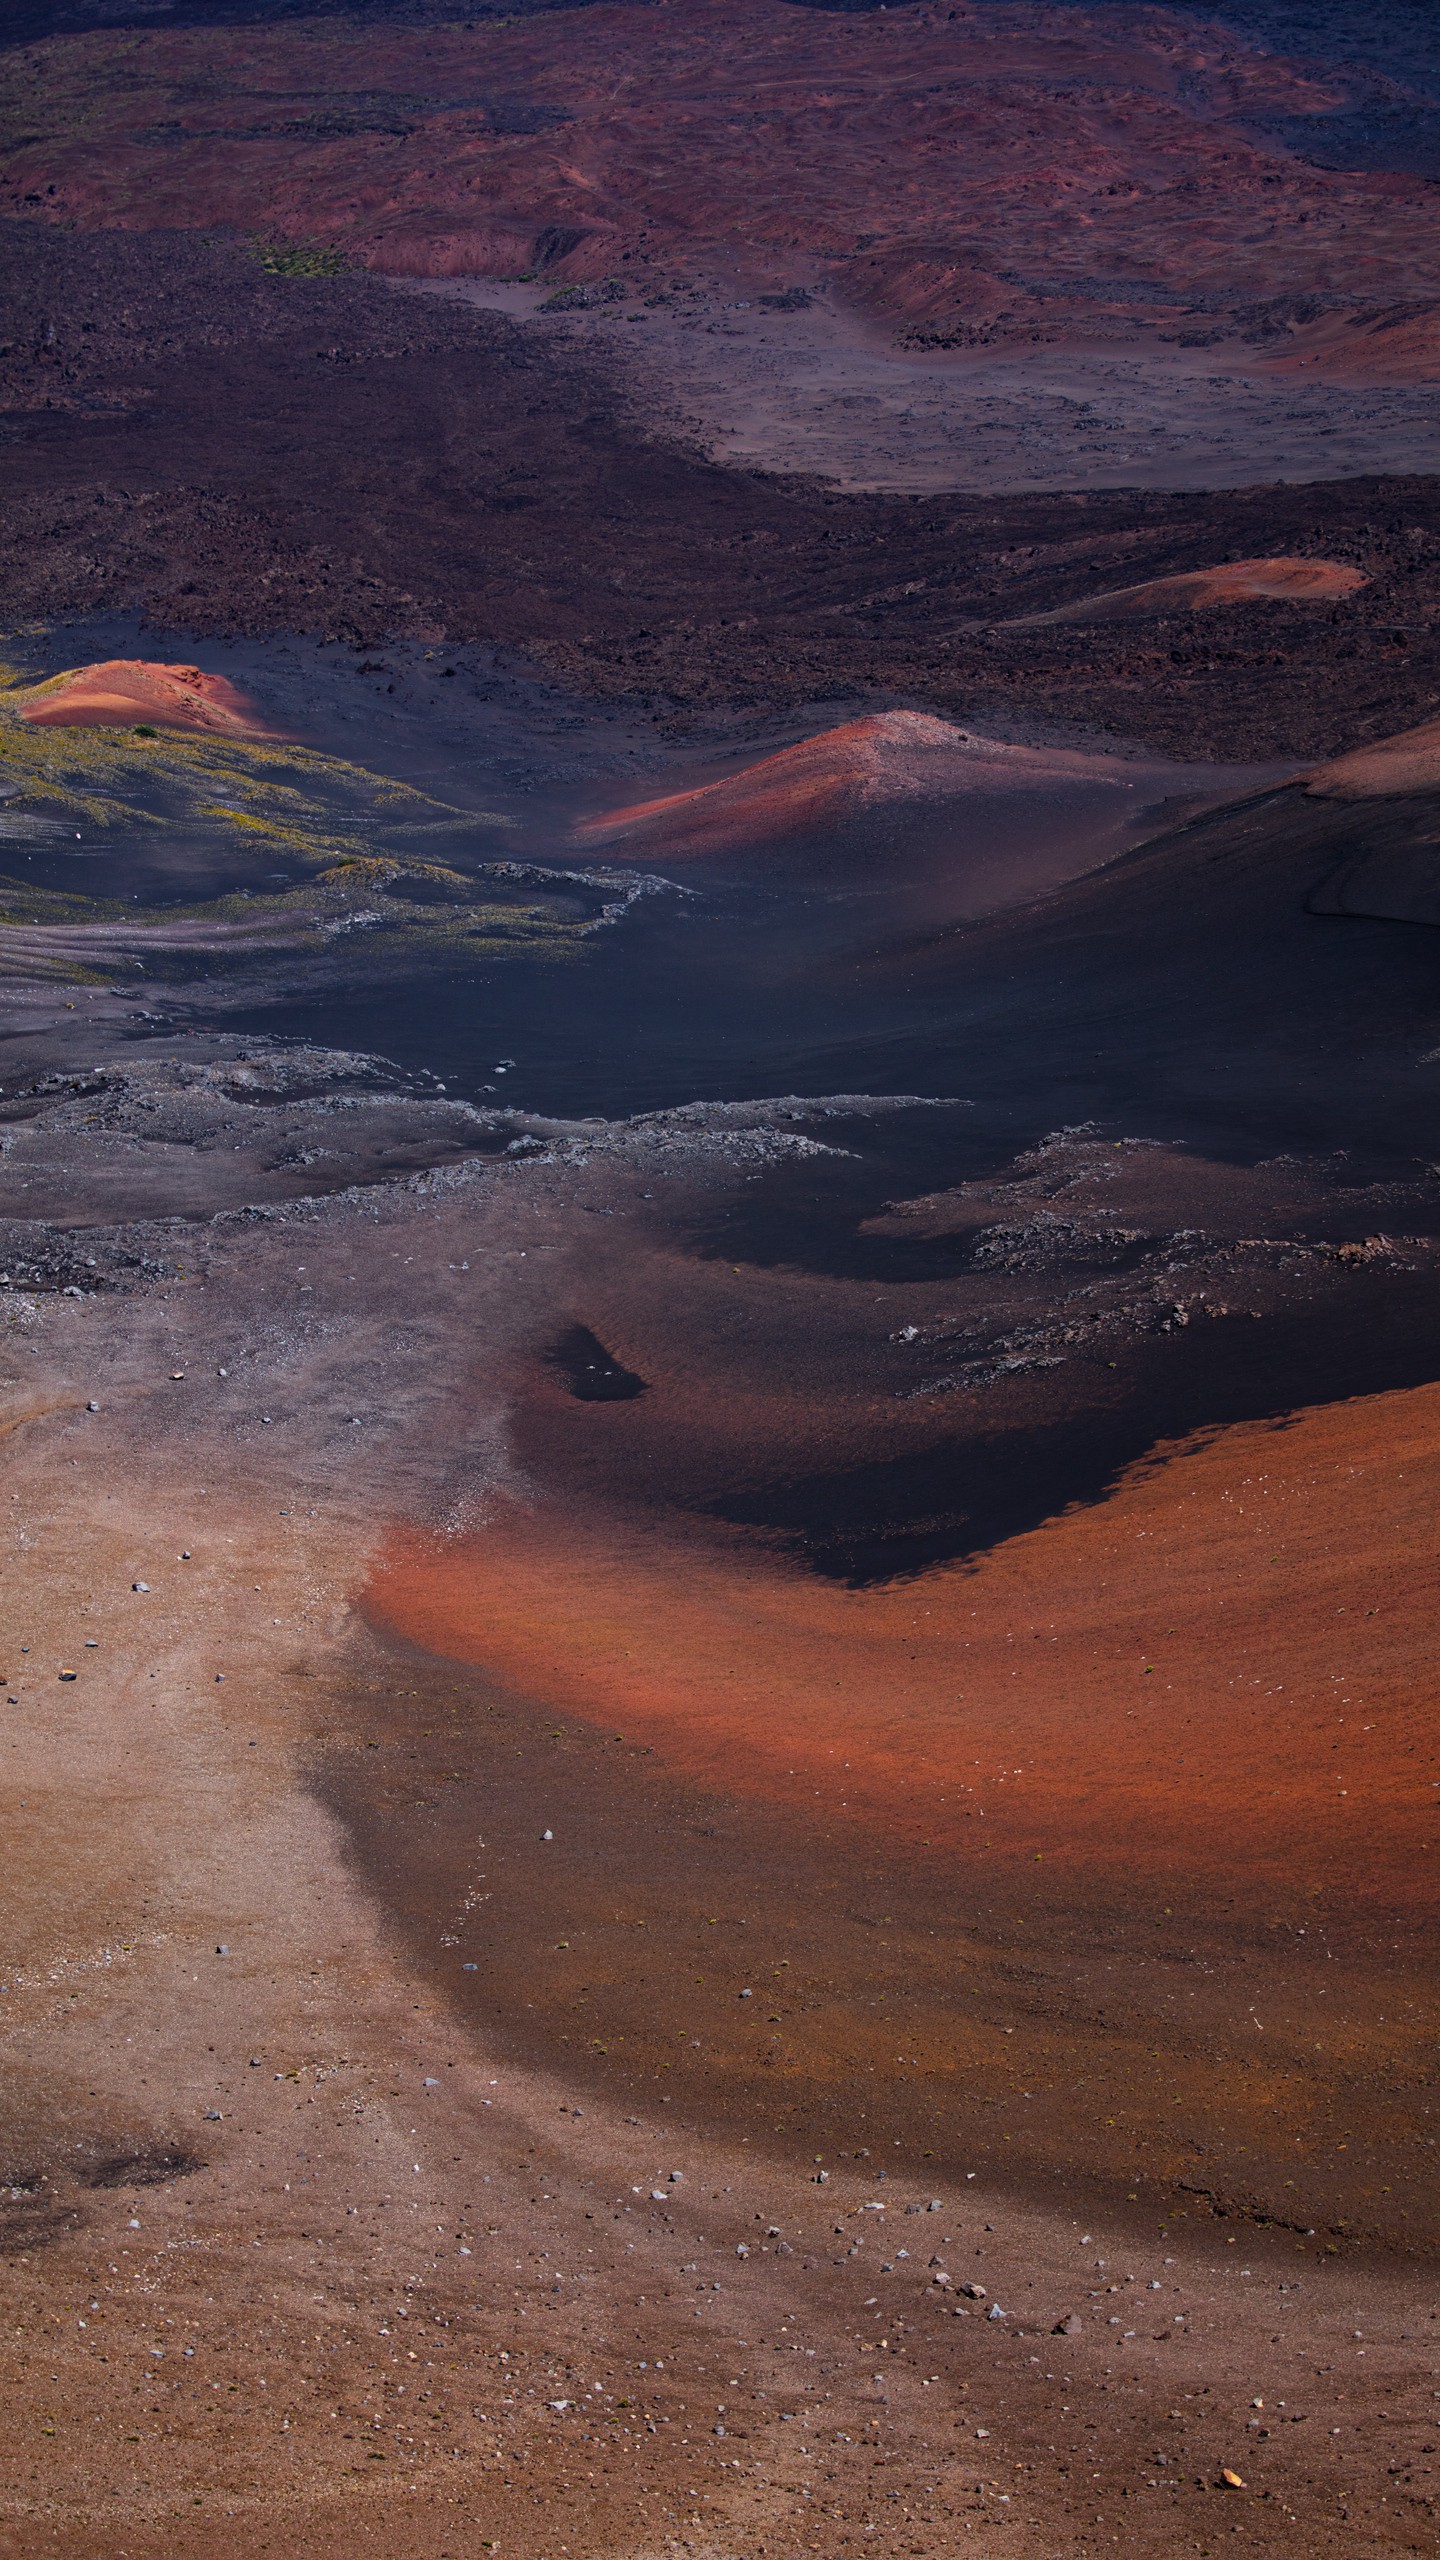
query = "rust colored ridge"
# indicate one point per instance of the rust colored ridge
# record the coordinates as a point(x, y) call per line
point(1398, 345)
point(1388, 770)
point(127, 693)
point(1217, 1676)
point(886, 755)
point(1193, 590)
point(971, 173)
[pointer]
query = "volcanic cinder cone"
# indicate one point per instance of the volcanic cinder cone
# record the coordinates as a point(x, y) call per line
point(1390, 769)
point(127, 693)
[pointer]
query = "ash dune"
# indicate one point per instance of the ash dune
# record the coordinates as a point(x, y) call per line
point(1391, 769)
point(1386, 868)
point(1201, 590)
point(123, 693)
point(1202, 1672)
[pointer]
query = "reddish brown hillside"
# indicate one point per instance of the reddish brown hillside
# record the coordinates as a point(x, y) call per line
point(1005, 172)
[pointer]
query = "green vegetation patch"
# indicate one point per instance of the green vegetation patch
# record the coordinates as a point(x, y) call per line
point(299, 258)
point(124, 782)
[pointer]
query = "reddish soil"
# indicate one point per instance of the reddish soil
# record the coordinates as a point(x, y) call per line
point(1235, 582)
point(887, 755)
point(272, 2147)
point(1242, 1626)
point(1392, 768)
point(124, 692)
point(972, 174)
point(1401, 344)
point(665, 1532)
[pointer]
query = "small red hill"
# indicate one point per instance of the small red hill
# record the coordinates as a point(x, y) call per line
point(130, 693)
point(1281, 581)
point(883, 756)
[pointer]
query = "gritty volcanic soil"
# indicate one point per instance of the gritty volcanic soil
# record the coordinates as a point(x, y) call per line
point(223, 450)
point(407, 2150)
point(817, 1812)
point(719, 1230)
point(975, 173)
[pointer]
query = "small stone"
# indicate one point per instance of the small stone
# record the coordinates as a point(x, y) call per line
point(1069, 2327)
point(92, 1406)
point(547, 1835)
point(139, 1586)
point(976, 2292)
point(69, 1675)
point(994, 2312)
point(1232, 2479)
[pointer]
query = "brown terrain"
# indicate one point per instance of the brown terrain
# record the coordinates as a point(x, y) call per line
point(289, 2086)
point(556, 1450)
point(189, 445)
point(968, 172)
point(1393, 767)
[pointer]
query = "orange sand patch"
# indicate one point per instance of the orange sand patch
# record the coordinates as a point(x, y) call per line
point(125, 693)
point(1233, 582)
point(886, 755)
point(1220, 1675)
point(1409, 762)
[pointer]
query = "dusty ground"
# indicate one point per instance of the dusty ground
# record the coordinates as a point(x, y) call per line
point(720, 1813)
point(829, 390)
point(309, 2228)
